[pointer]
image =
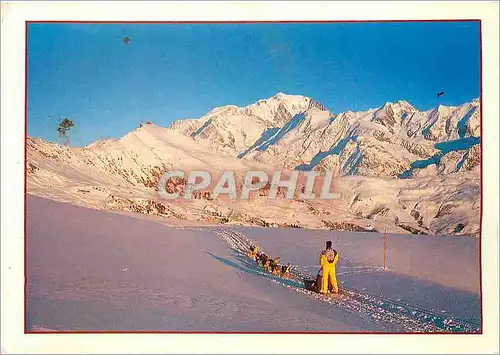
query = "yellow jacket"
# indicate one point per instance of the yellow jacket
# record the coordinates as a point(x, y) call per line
point(323, 262)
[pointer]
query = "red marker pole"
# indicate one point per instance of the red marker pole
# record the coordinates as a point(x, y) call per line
point(385, 250)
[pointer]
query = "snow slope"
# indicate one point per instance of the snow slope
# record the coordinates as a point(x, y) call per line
point(93, 270)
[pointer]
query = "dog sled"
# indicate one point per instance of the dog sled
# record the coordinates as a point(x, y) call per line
point(315, 286)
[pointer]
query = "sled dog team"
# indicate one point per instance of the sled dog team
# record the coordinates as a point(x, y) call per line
point(269, 264)
point(326, 279)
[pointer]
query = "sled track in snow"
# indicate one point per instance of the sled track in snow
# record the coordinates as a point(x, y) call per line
point(381, 309)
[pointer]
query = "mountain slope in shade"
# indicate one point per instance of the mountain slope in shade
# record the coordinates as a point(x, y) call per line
point(441, 197)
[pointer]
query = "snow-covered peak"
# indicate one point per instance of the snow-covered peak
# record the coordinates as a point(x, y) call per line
point(267, 108)
point(290, 98)
point(281, 95)
point(399, 106)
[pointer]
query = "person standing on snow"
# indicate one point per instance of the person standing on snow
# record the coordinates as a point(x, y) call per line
point(327, 260)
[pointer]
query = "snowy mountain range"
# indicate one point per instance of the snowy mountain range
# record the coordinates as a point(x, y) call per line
point(399, 169)
point(295, 132)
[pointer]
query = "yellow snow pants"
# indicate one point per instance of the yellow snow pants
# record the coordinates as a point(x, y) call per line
point(329, 276)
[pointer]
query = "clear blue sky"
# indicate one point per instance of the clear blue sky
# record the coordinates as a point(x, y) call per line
point(175, 71)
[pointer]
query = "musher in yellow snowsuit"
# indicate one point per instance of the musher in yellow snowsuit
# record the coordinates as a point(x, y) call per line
point(327, 260)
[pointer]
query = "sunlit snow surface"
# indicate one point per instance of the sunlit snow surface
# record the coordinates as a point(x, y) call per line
point(95, 270)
